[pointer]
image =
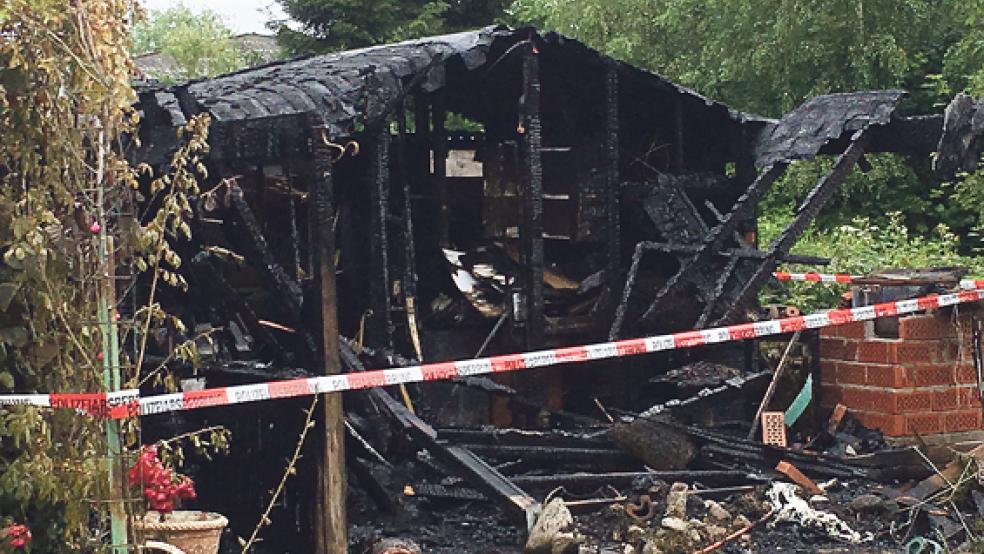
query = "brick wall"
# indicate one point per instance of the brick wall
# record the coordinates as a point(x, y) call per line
point(921, 382)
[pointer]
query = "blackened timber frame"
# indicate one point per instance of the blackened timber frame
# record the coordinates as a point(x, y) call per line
point(379, 323)
point(531, 222)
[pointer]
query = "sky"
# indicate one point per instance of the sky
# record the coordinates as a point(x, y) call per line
point(242, 16)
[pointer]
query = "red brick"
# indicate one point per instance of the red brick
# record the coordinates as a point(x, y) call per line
point(962, 420)
point(877, 351)
point(923, 424)
point(853, 330)
point(889, 425)
point(832, 348)
point(838, 349)
point(967, 397)
point(913, 402)
point(965, 374)
point(944, 400)
point(925, 327)
point(890, 376)
point(830, 395)
point(828, 371)
point(828, 332)
point(849, 373)
point(932, 375)
point(913, 352)
point(866, 399)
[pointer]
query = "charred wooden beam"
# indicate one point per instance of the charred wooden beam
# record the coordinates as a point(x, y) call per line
point(621, 311)
point(257, 249)
point(554, 454)
point(625, 478)
point(490, 386)
point(743, 208)
point(463, 462)
point(612, 179)
point(379, 323)
point(531, 222)
point(220, 289)
point(523, 437)
point(408, 282)
point(805, 215)
point(330, 522)
point(439, 144)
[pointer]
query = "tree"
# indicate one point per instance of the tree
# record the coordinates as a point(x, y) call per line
point(192, 44)
point(332, 25)
point(764, 56)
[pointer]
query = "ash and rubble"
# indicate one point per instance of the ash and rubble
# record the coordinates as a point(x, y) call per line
point(598, 202)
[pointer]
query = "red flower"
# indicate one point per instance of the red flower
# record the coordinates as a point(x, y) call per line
point(161, 486)
point(19, 535)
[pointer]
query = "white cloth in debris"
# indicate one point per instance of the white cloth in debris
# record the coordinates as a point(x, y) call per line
point(790, 507)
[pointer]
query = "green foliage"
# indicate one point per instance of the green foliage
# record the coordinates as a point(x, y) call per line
point(893, 183)
point(331, 25)
point(860, 248)
point(197, 42)
point(763, 56)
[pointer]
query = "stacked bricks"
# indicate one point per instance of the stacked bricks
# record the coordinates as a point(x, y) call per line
point(922, 382)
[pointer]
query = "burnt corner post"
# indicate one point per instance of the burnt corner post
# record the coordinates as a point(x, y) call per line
point(330, 521)
point(531, 222)
point(612, 177)
point(380, 321)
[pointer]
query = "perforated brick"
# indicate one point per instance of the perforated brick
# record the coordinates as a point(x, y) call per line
point(965, 374)
point(932, 375)
point(967, 397)
point(913, 402)
point(877, 351)
point(944, 400)
point(889, 425)
point(912, 352)
point(851, 373)
point(925, 327)
point(961, 420)
point(923, 424)
point(774, 428)
point(890, 376)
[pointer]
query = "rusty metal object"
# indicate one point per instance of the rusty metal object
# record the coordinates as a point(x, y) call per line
point(641, 510)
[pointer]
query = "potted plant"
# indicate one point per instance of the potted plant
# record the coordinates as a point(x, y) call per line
point(193, 531)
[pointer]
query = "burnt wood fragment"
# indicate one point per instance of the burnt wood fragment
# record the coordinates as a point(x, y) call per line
point(531, 224)
point(660, 446)
point(258, 250)
point(462, 461)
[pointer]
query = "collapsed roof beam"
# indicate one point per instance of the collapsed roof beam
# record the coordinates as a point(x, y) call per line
point(805, 215)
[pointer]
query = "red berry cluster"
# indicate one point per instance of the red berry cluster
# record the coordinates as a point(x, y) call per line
point(161, 486)
point(17, 535)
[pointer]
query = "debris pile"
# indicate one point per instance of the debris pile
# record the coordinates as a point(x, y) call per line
point(597, 202)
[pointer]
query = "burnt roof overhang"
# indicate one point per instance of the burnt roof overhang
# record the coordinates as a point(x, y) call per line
point(355, 87)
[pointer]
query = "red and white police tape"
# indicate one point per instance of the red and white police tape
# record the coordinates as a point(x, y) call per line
point(966, 284)
point(128, 403)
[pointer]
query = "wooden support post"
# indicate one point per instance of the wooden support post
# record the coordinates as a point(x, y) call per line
point(330, 523)
point(439, 138)
point(531, 222)
point(612, 181)
point(409, 279)
point(380, 322)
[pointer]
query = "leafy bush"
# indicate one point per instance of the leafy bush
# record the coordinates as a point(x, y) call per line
point(861, 247)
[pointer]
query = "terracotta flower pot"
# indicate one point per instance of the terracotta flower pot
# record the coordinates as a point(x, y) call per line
point(192, 531)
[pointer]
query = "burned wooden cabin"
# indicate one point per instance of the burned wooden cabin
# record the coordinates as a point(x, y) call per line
point(493, 191)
